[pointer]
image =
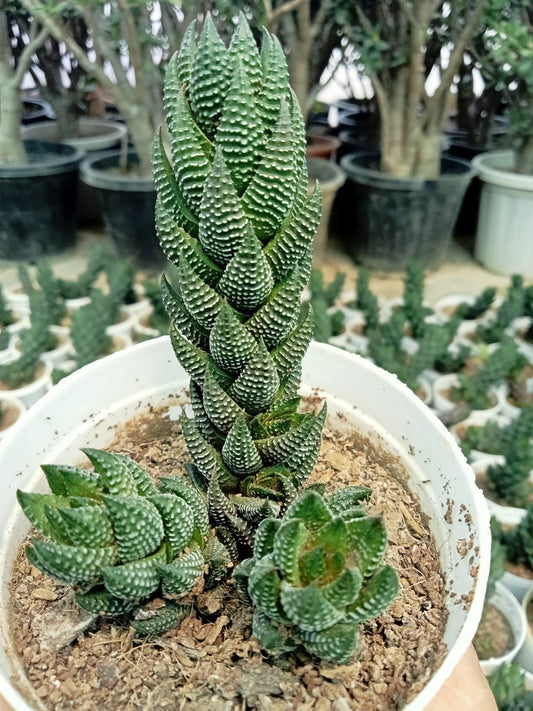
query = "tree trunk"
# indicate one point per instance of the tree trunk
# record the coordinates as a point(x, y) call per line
point(429, 153)
point(141, 132)
point(11, 145)
point(68, 125)
point(524, 157)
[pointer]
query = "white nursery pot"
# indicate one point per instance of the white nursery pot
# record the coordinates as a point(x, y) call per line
point(525, 655)
point(511, 609)
point(520, 587)
point(14, 404)
point(442, 404)
point(82, 409)
point(504, 240)
point(32, 392)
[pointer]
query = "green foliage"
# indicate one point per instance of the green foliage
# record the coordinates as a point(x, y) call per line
point(117, 537)
point(508, 685)
point(74, 289)
point(473, 388)
point(6, 315)
point(480, 305)
point(453, 361)
point(318, 573)
point(413, 299)
point(366, 301)
point(158, 318)
point(120, 276)
point(512, 307)
point(497, 560)
point(25, 279)
point(51, 292)
point(327, 323)
point(487, 438)
point(5, 338)
point(88, 333)
point(518, 541)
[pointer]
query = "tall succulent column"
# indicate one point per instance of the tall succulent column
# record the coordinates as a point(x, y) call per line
point(233, 214)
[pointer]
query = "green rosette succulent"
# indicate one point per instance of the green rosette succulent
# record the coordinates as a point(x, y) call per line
point(234, 216)
point(118, 538)
point(317, 573)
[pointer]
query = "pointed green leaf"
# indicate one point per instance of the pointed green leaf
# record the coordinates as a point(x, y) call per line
point(137, 524)
point(115, 474)
point(179, 576)
point(347, 498)
point(275, 85)
point(255, 388)
point(230, 344)
point(368, 539)
point(136, 579)
point(193, 359)
point(180, 317)
point(244, 48)
point(239, 451)
point(210, 77)
point(288, 542)
point(264, 587)
point(161, 620)
point(270, 193)
point(264, 537)
point(186, 55)
point(336, 644)
point(198, 297)
point(203, 424)
point(179, 487)
point(311, 509)
point(345, 589)
point(100, 602)
point(178, 521)
point(247, 279)
point(72, 564)
point(88, 526)
point(376, 595)
point(72, 481)
point(308, 608)
point(289, 353)
point(220, 407)
point(34, 506)
point(240, 132)
point(223, 222)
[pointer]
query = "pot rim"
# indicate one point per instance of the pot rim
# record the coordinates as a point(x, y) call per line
point(97, 176)
point(496, 168)
point(374, 177)
point(62, 159)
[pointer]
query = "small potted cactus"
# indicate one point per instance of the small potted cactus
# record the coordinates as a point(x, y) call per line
point(234, 216)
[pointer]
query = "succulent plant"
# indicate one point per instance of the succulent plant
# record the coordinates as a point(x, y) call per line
point(518, 541)
point(25, 279)
point(158, 319)
point(33, 342)
point(508, 685)
point(478, 307)
point(88, 333)
point(6, 315)
point(413, 299)
point(76, 288)
point(317, 574)
point(512, 307)
point(120, 274)
point(5, 338)
point(51, 291)
point(40, 321)
point(366, 301)
point(473, 388)
point(118, 538)
point(327, 324)
point(510, 480)
point(234, 216)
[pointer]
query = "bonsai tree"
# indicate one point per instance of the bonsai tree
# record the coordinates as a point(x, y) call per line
point(233, 214)
point(399, 45)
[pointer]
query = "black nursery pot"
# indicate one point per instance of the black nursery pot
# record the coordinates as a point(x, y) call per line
point(128, 206)
point(38, 201)
point(389, 221)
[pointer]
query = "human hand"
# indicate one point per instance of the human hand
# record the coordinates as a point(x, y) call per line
point(466, 689)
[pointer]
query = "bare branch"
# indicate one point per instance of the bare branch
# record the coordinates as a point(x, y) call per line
point(27, 54)
point(320, 18)
point(274, 15)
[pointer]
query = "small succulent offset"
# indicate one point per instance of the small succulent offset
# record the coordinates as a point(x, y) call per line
point(366, 301)
point(118, 538)
point(328, 323)
point(413, 299)
point(478, 307)
point(508, 684)
point(317, 573)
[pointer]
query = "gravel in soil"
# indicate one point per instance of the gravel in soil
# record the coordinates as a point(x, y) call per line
point(211, 662)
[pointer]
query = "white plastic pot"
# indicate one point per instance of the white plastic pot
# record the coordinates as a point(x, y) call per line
point(141, 307)
point(510, 608)
point(520, 587)
point(16, 298)
point(16, 406)
point(504, 240)
point(525, 655)
point(82, 410)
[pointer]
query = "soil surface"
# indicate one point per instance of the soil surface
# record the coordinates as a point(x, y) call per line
point(211, 662)
point(494, 635)
point(8, 415)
